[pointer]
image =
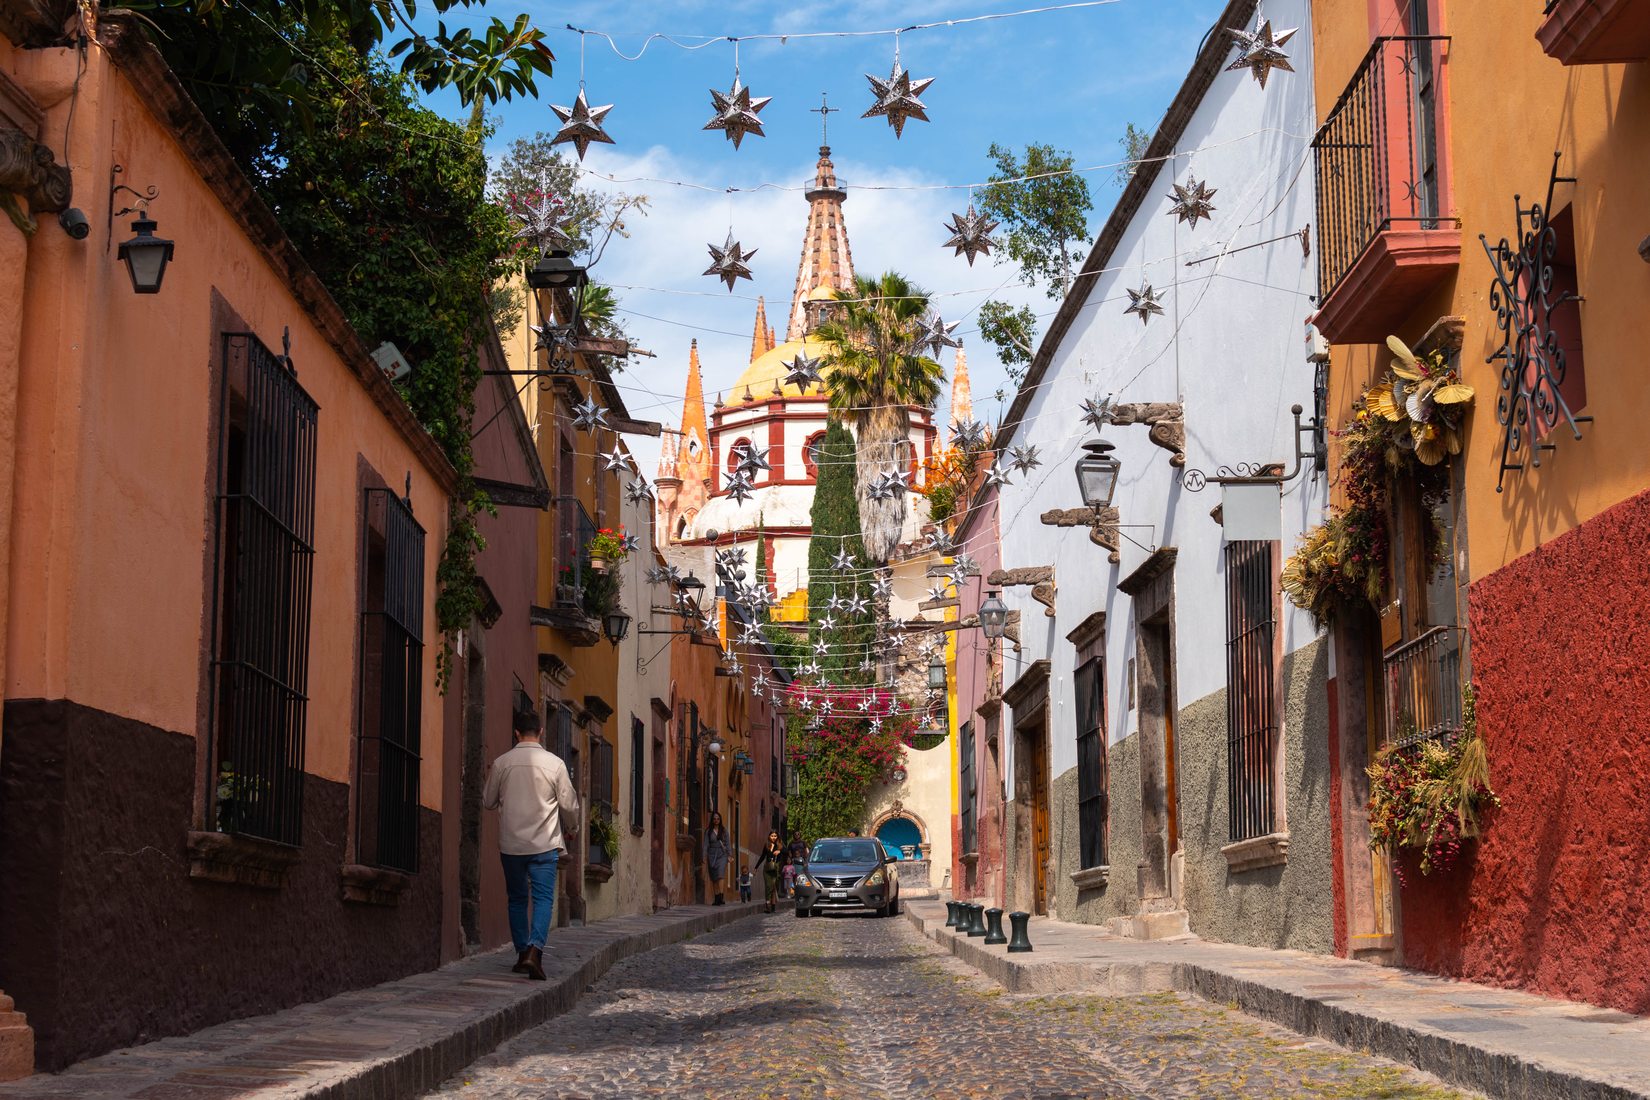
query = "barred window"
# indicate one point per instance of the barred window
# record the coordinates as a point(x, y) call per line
point(601, 775)
point(1093, 782)
point(1251, 670)
point(264, 559)
point(966, 791)
point(392, 683)
point(638, 773)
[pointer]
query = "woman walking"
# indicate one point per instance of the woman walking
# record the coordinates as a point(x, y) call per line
point(771, 861)
point(716, 853)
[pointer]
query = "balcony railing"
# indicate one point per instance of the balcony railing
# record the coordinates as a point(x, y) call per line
point(1423, 686)
point(574, 530)
point(1377, 153)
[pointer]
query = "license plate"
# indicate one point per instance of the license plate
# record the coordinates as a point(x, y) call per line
point(839, 893)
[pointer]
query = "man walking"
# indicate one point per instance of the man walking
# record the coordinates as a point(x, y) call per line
point(532, 791)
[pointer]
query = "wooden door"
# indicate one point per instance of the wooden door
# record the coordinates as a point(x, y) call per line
point(1040, 844)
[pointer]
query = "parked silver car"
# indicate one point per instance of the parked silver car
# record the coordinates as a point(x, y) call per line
point(846, 875)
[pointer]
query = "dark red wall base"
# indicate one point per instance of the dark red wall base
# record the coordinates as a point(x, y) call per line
point(1555, 897)
point(105, 941)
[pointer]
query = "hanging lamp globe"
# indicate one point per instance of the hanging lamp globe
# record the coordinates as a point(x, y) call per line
point(993, 616)
point(1097, 473)
point(146, 256)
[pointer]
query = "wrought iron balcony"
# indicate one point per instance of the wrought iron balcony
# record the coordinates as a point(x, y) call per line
point(1423, 686)
point(1595, 32)
point(1385, 236)
point(571, 572)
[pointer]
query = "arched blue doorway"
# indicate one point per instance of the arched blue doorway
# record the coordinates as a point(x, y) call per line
point(898, 833)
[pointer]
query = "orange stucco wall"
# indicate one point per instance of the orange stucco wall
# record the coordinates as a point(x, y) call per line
point(112, 525)
point(1509, 108)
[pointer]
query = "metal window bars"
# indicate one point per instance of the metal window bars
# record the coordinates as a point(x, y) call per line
point(1092, 780)
point(966, 788)
point(1423, 686)
point(574, 530)
point(392, 684)
point(1377, 157)
point(1251, 668)
point(264, 554)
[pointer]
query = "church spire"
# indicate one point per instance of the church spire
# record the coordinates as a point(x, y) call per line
point(826, 261)
point(761, 338)
point(962, 394)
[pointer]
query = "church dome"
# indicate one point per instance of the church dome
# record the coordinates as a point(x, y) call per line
point(772, 366)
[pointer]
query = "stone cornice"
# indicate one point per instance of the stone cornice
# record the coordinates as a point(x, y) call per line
point(1027, 686)
point(1161, 561)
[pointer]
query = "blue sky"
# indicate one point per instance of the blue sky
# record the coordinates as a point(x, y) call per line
point(1070, 78)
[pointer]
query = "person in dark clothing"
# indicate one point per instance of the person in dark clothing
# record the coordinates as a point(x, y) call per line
point(771, 862)
point(717, 850)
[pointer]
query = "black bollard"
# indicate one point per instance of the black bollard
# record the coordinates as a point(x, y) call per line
point(976, 920)
point(994, 926)
point(951, 914)
point(1020, 941)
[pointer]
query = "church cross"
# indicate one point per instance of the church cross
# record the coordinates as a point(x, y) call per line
point(824, 111)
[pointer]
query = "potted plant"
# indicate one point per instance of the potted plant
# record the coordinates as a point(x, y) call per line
point(236, 795)
point(607, 545)
point(604, 838)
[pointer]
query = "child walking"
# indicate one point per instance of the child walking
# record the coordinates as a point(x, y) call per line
point(745, 882)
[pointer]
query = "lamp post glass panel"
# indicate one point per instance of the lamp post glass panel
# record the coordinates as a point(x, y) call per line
point(993, 616)
point(146, 256)
point(616, 624)
point(936, 672)
point(1097, 474)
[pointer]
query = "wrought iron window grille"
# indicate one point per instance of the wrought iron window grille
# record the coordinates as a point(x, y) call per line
point(1423, 686)
point(1533, 367)
point(1251, 705)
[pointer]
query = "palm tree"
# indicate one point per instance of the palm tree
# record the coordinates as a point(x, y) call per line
point(876, 373)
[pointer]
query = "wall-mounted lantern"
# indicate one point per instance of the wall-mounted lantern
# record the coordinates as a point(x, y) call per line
point(616, 624)
point(1097, 474)
point(146, 255)
point(936, 672)
point(557, 271)
point(899, 775)
point(993, 616)
point(715, 746)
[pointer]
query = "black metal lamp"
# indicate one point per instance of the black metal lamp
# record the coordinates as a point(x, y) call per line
point(557, 271)
point(146, 255)
point(1097, 474)
point(616, 624)
point(936, 672)
point(993, 616)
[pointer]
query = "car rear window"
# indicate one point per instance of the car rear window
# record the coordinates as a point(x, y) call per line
point(845, 851)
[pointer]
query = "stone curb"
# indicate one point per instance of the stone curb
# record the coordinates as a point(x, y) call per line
point(1493, 1073)
point(424, 1067)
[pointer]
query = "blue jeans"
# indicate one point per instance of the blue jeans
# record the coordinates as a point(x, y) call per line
point(535, 874)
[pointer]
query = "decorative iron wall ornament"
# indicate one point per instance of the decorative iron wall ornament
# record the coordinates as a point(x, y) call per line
point(1531, 402)
point(1194, 480)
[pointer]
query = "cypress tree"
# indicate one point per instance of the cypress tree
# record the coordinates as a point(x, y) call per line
point(835, 520)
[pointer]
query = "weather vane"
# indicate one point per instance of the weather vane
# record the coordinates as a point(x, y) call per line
point(824, 111)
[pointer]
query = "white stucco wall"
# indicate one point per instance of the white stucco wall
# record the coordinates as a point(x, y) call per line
point(1230, 345)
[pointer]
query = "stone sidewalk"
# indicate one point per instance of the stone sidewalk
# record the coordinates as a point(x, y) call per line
point(393, 1040)
point(1494, 1041)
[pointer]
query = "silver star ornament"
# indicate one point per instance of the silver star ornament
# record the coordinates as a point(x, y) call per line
point(753, 459)
point(897, 98)
point(935, 334)
point(1025, 458)
point(970, 234)
point(995, 478)
point(589, 415)
point(736, 112)
point(617, 461)
point(969, 434)
point(739, 487)
point(581, 125)
point(843, 560)
point(1260, 51)
point(1096, 413)
point(1192, 200)
point(1144, 302)
point(728, 263)
point(803, 372)
point(637, 492)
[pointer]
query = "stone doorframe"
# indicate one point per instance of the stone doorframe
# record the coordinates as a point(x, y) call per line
point(1151, 588)
point(898, 809)
point(1027, 699)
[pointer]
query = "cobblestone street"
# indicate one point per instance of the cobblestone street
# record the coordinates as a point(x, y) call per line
point(857, 1007)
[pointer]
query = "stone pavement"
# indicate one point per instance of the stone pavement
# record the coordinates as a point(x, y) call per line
point(391, 1040)
point(858, 1007)
point(1496, 1041)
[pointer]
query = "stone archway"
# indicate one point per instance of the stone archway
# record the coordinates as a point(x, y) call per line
point(898, 812)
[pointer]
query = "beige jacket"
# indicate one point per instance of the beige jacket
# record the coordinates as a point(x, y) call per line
point(532, 791)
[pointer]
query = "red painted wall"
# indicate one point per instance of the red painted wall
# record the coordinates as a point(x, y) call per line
point(1556, 897)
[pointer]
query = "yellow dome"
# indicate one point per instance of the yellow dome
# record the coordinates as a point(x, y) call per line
point(822, 294)
point(771, 366)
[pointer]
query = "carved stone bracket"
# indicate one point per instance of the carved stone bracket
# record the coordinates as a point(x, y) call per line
point(1103, 526)
point(1167, 421)
point(27, 168)
point(1039, 577)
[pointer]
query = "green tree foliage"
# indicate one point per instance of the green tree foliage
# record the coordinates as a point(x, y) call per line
point(876, 372)
point(835, 521)
point(253, 60)
point(1133, 143)
point(844, 758)
point(1044, 208)
point(1013, 332)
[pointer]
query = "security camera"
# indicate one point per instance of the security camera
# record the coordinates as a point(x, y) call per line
point(75, 223)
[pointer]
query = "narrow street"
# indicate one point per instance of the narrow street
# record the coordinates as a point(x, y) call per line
point(857, 1007)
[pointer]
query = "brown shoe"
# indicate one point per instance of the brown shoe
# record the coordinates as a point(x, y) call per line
point(535, 964)
point(521, 962)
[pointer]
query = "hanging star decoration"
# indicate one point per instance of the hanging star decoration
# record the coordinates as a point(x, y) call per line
point(1096, 413)
point(941, 543)
point(734, 667)
point(822, 647)
point(753, 459)
point(673, 574)
point(656, 573)
point(876, 725)
point(833, 602)
point(970, 234)
point(617, 461)
point(865, 665)
point(1260, 51)
point(637, 492)
point(803, 371)
point(882, 588)
point(581, 125)
point(761, 680)
point(865, 705)
point(1144, 302)
point(856, 605)
point(938, 592)
point(588, 415)
point(842, 560)
point(542, 219)
point(630, 543)
point(730, 559)
point(935, 334)
point(886, 486)
point(751, 634)
point(736, 112)
point(739, 487)
point(897, 98)
point(963, 566)
point(810, 669)
point(827, 624)
point(550, 338)
point(1024, 458)
point(728, 263)
point(995, 478)
point(825, 705)
point(969, 434)
point(1192, 200)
